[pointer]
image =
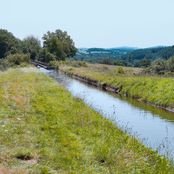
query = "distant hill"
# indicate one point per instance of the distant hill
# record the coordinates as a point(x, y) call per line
point(102, 55)
point(127, 56)
point(151, 53)
point(108, 50)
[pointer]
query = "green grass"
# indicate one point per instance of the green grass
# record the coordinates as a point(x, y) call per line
point(44, 130)
point(155, 90)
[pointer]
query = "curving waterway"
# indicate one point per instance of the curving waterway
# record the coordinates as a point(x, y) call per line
point(152, 126)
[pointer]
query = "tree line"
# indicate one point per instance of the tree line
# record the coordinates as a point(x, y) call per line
point(57, 45)
point(126, 57)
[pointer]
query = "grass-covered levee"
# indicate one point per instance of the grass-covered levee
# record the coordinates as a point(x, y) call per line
point(45, 130)
point(132, 82)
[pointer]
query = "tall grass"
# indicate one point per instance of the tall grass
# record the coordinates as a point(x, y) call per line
point(43, 129)
point(155, 90)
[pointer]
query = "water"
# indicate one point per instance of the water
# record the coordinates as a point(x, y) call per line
point(153, 126)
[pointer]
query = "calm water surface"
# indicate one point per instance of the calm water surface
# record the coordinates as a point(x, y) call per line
point(153, 126)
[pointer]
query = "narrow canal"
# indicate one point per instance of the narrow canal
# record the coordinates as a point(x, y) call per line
point(152, 126)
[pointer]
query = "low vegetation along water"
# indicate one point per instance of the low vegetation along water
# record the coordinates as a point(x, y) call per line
point(132, 82)
point(152, 125)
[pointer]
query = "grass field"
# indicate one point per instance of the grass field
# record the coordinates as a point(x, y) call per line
point(44, 130)
point(130, 81)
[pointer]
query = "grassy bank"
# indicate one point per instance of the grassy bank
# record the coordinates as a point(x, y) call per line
point(43, 129)
point(130, 82)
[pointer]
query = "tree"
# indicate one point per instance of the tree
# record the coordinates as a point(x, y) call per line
point(170, 64)
point(8, 43)
point(46, 56)
point(158, 66)
point(60, 44)
point(32, 46)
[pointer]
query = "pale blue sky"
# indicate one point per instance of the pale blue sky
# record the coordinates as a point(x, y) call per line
point(93, 23)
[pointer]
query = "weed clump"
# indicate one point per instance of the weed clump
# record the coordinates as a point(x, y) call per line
point(120, 70)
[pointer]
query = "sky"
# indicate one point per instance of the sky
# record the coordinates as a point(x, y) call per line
point(93, 23)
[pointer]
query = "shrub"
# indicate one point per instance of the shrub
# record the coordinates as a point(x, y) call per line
point(120, 70)
point(17, 59)
point(14, 60)
point(170, 64)
point(158, 66)
point(55, 64)
point(161, 67)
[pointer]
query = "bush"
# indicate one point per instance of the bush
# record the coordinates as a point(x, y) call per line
point(17, 59)
point(158, 67)
point(14, 60)
point(120, 70)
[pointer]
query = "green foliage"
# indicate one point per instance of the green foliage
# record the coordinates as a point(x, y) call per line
point(170, 64)
point(55, 64)
point(46, 56)
point(31, 46)
point(57, 45)
point(148, 54)
point(110, 56)
point(12, 60)
point(17, 59)
point(17, 52)
point(125, 57)
point(159, 66)
point(120, 70)
point(8, 43)
point(60, 44)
